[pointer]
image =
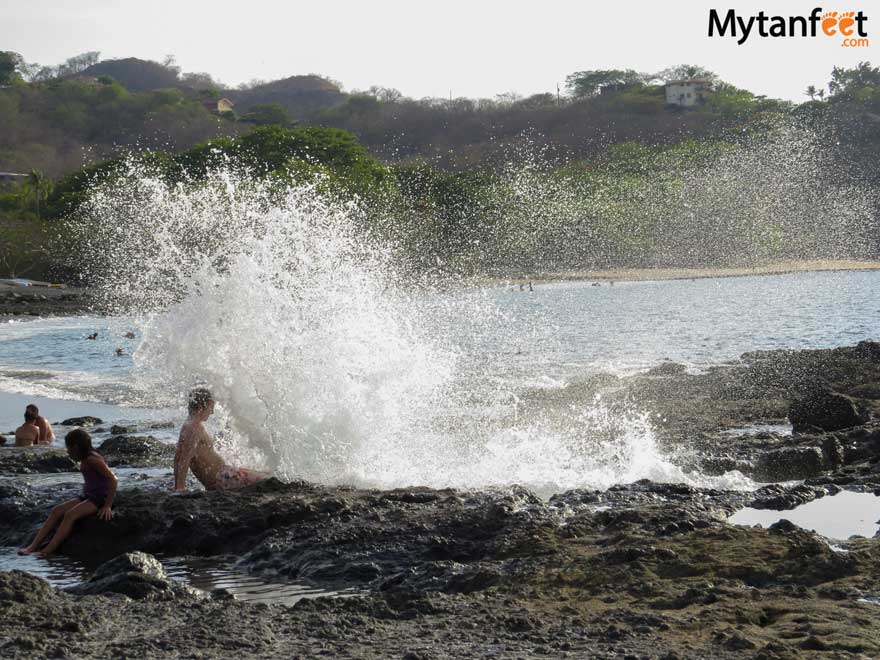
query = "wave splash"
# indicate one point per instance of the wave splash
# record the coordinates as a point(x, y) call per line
point(325, 368)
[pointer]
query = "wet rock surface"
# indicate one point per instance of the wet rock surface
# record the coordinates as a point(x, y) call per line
point(29, 460)
point(136, 451)
point(86, 420)
point(643, 570)
point(44, 301)
point(136, 575)
point(829, 401)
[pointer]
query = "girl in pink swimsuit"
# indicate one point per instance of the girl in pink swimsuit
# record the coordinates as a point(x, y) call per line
point(99, 489)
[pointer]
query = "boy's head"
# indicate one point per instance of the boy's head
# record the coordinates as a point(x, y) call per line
point(200, 400)
point(29, 417)
point(78, 443)
point(32, 408)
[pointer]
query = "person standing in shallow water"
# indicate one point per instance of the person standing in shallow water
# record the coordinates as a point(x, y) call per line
point(47, 435)
point(27, 434)
point(99, 490)
point(195, 449)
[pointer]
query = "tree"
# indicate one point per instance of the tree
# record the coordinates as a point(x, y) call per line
point(849, 81)
point(385, 94)
point(36, 188)
point(583, 84)
point(267, 114)
point(535, 101)
point(10, 63)
point(78, 63)
point(201, 81)
point(22, 247)
point(730, 101)
point(685, 72)
point(811, 92)
point(508, 98)
point(30, 70)
point(170, 63)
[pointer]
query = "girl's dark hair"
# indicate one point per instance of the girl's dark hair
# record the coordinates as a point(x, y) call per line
point(80, 441)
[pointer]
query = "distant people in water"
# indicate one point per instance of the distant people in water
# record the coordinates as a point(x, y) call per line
point(530, 287)
point(94, 335)
point(195, 449)
point(129, 335)
point(28, 434)
point(47, 435)
point(99, 489)
point(119, 352)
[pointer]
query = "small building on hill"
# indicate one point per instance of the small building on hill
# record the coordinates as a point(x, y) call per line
point(218, 106)
point(688, 93)
point(6, 177)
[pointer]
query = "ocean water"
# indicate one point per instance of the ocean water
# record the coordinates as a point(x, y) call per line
point(424, 388)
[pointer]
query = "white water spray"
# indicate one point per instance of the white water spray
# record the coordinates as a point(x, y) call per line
point(324, 369)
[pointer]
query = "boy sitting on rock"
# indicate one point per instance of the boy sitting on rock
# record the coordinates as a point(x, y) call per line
point(195, 449)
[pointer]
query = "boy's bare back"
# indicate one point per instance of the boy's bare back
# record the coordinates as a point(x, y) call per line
point(26, 435)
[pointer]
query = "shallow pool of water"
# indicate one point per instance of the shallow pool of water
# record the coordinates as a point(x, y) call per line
point(201, 573)
point(839, 516)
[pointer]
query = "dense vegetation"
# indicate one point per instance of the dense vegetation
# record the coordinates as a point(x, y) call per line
point(605, 175)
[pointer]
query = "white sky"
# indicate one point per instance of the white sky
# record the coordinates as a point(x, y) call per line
point(473, 48)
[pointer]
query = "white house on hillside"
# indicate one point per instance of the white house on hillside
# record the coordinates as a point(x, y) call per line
point(688, 93)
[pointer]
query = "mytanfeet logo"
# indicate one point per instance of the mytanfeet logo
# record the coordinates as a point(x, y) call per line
point(847, 25)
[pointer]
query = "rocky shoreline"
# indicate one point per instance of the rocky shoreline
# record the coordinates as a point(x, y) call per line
point(642, 570)
point(40, 301)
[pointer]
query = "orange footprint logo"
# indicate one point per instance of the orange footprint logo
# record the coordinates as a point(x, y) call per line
point(829, 21)
point(845, 23)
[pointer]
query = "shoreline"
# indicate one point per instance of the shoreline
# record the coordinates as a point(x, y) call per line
point(675, 273)
point(20, 302)
point(432, 573)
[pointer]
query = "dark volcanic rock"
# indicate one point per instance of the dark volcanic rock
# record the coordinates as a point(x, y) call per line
point(779, 498)
point(869, 350)
point(823, 409)
point(136, 575)
point(667, 369)
point(789, 463)
point(26, 460)
point(136, 451)
point(642, 570)
point(451, 573)
point(82, 421)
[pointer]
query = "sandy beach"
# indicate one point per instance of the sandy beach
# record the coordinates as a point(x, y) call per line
point(649, 274)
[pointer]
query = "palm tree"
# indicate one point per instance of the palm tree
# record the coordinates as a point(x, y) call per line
point(37, 186)
point(821, 94)
point(811, 92)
